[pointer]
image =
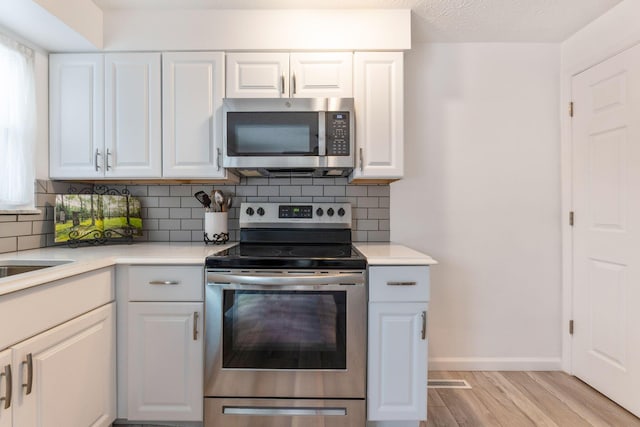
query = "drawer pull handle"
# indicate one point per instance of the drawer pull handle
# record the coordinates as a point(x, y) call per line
point(424, 325)
point(29, 363)
point(8, 386)
point(401, 283)
point(164, 282)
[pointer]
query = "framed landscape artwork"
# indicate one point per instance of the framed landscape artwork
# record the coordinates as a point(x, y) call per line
point(96, 218)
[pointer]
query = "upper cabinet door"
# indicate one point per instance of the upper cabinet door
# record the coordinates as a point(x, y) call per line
point(257, 75)
point(76, 109)
point(132, 116)
point(322, 75)
point(193, 88)
point(299, 75)
point(378, 93)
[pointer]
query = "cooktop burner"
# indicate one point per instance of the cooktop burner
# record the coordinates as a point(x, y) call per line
point(246, 255)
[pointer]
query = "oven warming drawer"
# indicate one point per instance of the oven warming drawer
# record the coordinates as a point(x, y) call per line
point(229, 412)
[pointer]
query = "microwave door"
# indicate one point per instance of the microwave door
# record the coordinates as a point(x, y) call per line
point(277, 134)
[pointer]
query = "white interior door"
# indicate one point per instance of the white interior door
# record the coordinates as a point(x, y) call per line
point(606, 200)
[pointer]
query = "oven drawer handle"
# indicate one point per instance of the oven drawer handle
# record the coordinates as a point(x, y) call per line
point(309, 412)
point(164, 282)
point(292, 279)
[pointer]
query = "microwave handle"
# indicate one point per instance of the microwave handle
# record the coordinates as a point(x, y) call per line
point(322, 133)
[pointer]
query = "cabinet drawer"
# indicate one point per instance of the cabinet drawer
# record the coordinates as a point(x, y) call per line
point(166, 283)
point(399, 283)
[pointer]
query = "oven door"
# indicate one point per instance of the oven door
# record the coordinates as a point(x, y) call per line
point(285, 334)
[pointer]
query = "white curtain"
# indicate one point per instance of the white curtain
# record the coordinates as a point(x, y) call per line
point(17, 125)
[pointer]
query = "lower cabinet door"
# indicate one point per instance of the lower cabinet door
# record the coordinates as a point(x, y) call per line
point(6, 385)
point(397, 366)
point(67, 375)
point(165, 361)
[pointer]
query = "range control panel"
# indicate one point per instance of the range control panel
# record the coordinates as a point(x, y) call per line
point(337, 133)
point(334, 215)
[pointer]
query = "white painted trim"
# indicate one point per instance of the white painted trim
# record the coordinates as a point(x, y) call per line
point(607, 36)
point(495, 364)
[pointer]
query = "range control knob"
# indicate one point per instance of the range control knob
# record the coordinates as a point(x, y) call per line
point(260, 211)
point(319, 212)
point(341, 212)
point(330, 211)
point(249, 211)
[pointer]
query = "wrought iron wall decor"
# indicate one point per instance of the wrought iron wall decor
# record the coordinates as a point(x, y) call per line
point(97, 215)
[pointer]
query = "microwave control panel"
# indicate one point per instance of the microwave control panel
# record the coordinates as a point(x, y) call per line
point(337, 133)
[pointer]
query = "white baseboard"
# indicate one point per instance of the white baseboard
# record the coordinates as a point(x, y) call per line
point(495, 364)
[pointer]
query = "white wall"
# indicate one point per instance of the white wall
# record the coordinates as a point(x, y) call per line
point(282, 29)
point(481, 194)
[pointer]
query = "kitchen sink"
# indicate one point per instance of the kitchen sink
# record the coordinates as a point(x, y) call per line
point(13, 267)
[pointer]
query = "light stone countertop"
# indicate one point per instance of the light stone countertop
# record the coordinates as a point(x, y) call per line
point(88, 258)
point(392, 254)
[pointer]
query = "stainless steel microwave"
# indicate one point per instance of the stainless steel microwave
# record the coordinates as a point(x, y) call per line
point(289, 137)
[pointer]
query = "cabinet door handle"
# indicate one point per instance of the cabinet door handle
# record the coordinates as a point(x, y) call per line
point(29, 363)
point(218, 158)
point(293, 80)
point(107, 159)
point(401, 283)
point(361, 160)
point(8, 386)
point(195, 325)
point(424, 325)
point(96, 160)
point(282, 84)
point(164, 282)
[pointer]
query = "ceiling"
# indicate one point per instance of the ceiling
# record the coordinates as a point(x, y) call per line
point(436, 20)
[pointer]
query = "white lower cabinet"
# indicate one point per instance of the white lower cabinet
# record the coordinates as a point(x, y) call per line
point(6, 386)
point(160, 343)
point(397, 353)
point(66, 375)
point(165, 361)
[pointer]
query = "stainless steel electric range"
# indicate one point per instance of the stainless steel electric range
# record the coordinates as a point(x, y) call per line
point(286, 321)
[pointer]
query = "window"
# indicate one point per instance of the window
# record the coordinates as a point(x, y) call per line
point(17, 126)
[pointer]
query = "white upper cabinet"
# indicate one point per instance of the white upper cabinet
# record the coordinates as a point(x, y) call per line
point(76, 110)
point(283, 75)
point(257, 75)
point(378, 96)
point(105, 116)
point(193, 88)
point(133, 137)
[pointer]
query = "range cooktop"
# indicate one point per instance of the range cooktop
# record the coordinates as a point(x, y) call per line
point(295, 236)
point(288, 256)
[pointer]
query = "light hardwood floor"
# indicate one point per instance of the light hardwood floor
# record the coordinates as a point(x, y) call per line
point(527, 399)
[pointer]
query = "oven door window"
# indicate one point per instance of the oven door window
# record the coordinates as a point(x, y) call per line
point(272, 134)
point(284, 330)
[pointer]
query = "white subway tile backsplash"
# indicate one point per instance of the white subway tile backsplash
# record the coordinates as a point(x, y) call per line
point(180, 190)
point(290, 190)
point(158, 190)
point(171, 213)
point(8, 244)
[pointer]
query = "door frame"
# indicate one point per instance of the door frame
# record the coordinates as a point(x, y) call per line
point(574, 65)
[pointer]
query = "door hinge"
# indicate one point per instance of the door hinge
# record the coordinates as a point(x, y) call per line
point(571, 327)
point(571, 109)
point(571, 216)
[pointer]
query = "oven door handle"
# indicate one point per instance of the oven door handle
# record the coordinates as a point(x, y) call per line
point(285, 280)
